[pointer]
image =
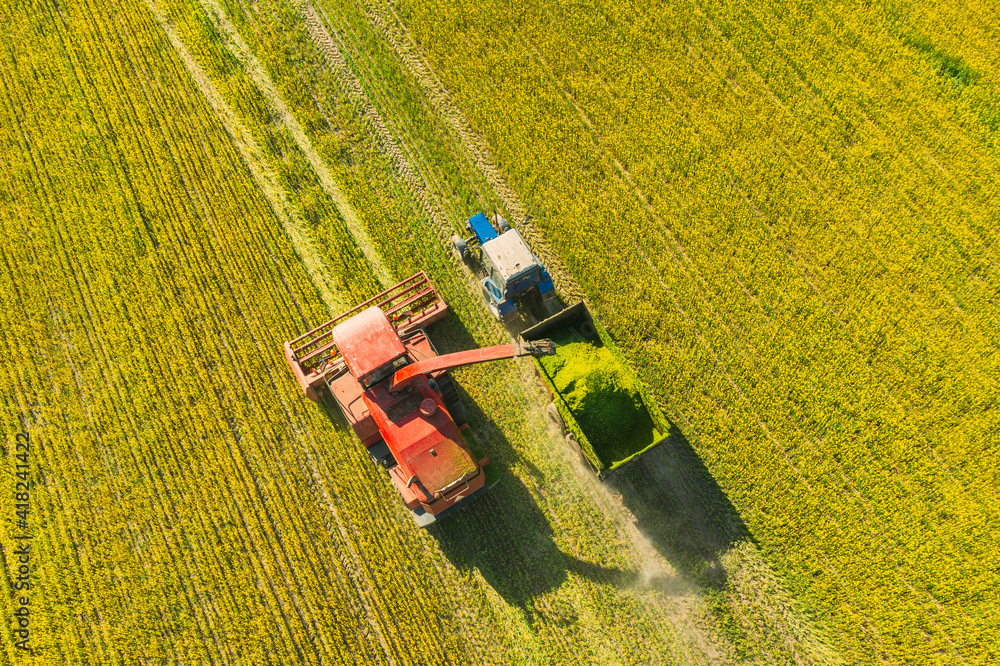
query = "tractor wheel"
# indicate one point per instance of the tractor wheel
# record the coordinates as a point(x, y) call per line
point(552, 412)
point(449, 394)
point(494, 310)
point(461, 247)
point(446, 386)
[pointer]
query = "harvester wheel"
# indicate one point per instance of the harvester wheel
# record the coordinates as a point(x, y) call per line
point(555, 417)
point(457, 411)
point(461, 247)
point(449, 394)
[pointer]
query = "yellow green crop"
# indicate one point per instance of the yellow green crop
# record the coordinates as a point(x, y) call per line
point(783, 214)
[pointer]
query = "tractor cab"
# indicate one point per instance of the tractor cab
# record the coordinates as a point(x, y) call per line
point(510, 272)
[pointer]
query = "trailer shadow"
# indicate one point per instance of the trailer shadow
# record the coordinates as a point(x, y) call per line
point(681, 509)
point(675, 500)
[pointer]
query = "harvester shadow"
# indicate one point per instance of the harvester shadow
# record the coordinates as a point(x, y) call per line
point(506, 536)
point(681, 509)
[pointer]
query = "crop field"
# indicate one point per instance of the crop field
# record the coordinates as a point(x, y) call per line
point(786, 217)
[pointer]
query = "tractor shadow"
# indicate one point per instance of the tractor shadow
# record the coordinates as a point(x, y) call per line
point(506, 536)
point(681, 509)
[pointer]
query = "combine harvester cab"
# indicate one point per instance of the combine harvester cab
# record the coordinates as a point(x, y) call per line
point(597, 402)
point(377, 361)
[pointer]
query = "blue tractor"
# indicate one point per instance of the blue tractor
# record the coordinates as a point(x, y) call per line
point(514, 281)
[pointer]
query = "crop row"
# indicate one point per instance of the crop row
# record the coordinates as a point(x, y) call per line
point(175, 519)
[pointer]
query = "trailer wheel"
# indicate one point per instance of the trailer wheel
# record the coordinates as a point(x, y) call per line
point(555, 417)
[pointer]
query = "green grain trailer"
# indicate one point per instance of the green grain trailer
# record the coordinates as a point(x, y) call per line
point(597, 401)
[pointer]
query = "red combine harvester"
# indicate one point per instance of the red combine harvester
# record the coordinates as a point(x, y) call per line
point(395, 391)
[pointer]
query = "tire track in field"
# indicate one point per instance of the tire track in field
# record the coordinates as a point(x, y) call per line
point(469, 144)
point(687, 616)
point(353, 562)
point(689, 623)
point(289, 216)
point(238, 47)
point(385, 138)
point(473, 146)
point(388, 140)
point(372, 91)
